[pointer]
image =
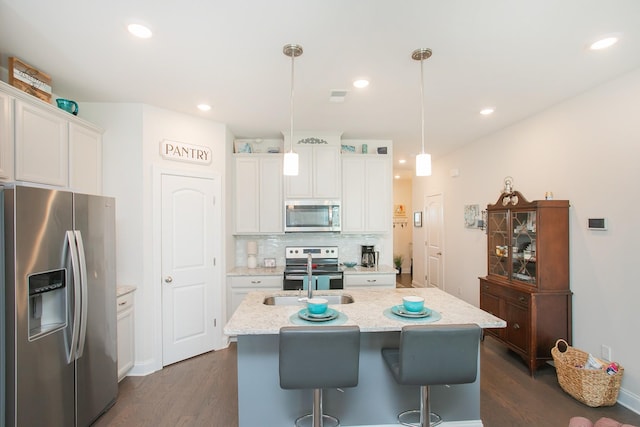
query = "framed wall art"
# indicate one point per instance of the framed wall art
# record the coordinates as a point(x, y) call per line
point(417, 219)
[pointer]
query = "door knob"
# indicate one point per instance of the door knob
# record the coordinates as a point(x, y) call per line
point(439, 253)
point(168, 279)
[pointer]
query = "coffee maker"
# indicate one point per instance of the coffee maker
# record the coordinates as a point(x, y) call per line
point(368, 256)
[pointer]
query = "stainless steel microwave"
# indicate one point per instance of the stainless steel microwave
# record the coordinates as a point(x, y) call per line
point(311, 216)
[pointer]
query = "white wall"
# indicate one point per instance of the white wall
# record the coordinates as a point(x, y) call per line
point(586, 150)
point(131, 150)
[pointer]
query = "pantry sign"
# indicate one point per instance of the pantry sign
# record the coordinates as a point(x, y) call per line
point(174, 150)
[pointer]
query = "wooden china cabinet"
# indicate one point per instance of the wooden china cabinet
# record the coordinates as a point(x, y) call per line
point(527, 282)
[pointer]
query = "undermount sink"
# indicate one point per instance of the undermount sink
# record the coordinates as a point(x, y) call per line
point(295, 300)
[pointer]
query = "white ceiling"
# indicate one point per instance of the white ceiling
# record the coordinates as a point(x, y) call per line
point(518, 56)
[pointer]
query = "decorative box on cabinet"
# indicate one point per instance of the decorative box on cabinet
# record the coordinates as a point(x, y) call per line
point(258, 194)
point(527, 282)
point(125, 331)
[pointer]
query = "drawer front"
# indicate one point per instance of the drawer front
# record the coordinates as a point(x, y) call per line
point(268, 282)
point(125, 302)
point(490, 303)
point(516, 297)
point(386, 280)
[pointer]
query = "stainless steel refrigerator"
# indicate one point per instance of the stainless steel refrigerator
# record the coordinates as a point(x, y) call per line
point(58, 256)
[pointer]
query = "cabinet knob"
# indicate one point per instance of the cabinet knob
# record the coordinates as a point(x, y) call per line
point(372, 280)
point(168, 279)
point(522, 299)
point(256, 282)
point(516, 326)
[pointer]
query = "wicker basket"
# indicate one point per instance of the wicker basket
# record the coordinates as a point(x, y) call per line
point(593, 387)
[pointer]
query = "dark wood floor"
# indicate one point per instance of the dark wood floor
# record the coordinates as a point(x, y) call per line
point(202, 391)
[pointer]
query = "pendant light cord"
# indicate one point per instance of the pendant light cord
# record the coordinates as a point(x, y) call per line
point(291, 106)
point(422, 99)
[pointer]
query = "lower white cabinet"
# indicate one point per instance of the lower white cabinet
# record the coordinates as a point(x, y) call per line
point(361, 280)
point(242, 285)
point(126, 344)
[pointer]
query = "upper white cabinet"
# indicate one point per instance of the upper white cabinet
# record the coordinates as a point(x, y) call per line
point(366, 193)
point(6, 137)
point(258, 194)
point(319, 174)
point(43, 144)
point(85, 159)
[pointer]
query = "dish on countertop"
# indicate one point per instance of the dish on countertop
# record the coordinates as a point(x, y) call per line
point(330, 314)
point(399, 310)
point(350, 264)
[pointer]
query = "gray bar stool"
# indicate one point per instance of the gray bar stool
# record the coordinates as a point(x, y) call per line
point(317, 357)
point(433, 355)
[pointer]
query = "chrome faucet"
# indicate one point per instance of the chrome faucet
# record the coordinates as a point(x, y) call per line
point(309, 272)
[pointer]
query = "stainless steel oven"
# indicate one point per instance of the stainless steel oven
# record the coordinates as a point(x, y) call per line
point(324, 262)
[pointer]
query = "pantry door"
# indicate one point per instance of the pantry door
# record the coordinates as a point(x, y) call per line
point(191, 283)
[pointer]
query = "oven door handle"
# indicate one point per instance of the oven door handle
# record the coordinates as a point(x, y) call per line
point(299, 277)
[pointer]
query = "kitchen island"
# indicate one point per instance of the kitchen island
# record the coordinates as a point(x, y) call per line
point(378, 398)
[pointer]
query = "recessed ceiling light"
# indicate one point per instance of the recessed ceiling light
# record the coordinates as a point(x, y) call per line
point(204, 107)
point(361, 83)
point(487, 111)
point(402, 161)
point(139, 30)
point(605, 42)
point(397, 176)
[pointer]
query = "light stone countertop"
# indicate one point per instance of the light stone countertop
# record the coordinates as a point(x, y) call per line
point(252, 317)
point(279, 270)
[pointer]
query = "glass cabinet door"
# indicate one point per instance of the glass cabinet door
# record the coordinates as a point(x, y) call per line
point(499, 237)
point(524, 246)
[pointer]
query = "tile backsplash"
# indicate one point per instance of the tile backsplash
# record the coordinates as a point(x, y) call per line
point(274, 246)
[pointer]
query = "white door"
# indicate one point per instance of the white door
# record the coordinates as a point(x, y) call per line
point(191, 288)
point(434, 258)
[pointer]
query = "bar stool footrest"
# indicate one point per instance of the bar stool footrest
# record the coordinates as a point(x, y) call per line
point(327, 421)
point(411, 418)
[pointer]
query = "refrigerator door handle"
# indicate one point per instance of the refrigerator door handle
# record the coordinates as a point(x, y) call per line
point(75, 328)
point(84, 293)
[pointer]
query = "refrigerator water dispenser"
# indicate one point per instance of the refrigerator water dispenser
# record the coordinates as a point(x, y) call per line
point(47, 303)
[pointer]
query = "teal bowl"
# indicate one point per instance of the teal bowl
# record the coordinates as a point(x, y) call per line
point(413, 304)
point(317, 305)
point(350, 264)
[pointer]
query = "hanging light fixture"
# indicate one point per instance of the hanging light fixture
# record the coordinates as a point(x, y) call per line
point(291, 159)
point(423, 160)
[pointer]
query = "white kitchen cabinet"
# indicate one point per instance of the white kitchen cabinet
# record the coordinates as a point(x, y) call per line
point(125, 331)
point(240, 286)
point(85, 159)
point(41, 144)
point(258, 194)
point(360, 280)
point(6, 137)
point(366, 193)
point(319, 174)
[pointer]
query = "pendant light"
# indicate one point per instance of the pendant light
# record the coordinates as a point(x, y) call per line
point(291, 159)
point(423, 160)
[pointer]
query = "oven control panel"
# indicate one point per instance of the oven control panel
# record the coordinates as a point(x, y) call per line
point(302, 252)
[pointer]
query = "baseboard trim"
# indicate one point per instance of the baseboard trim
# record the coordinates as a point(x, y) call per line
point(629, 400)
